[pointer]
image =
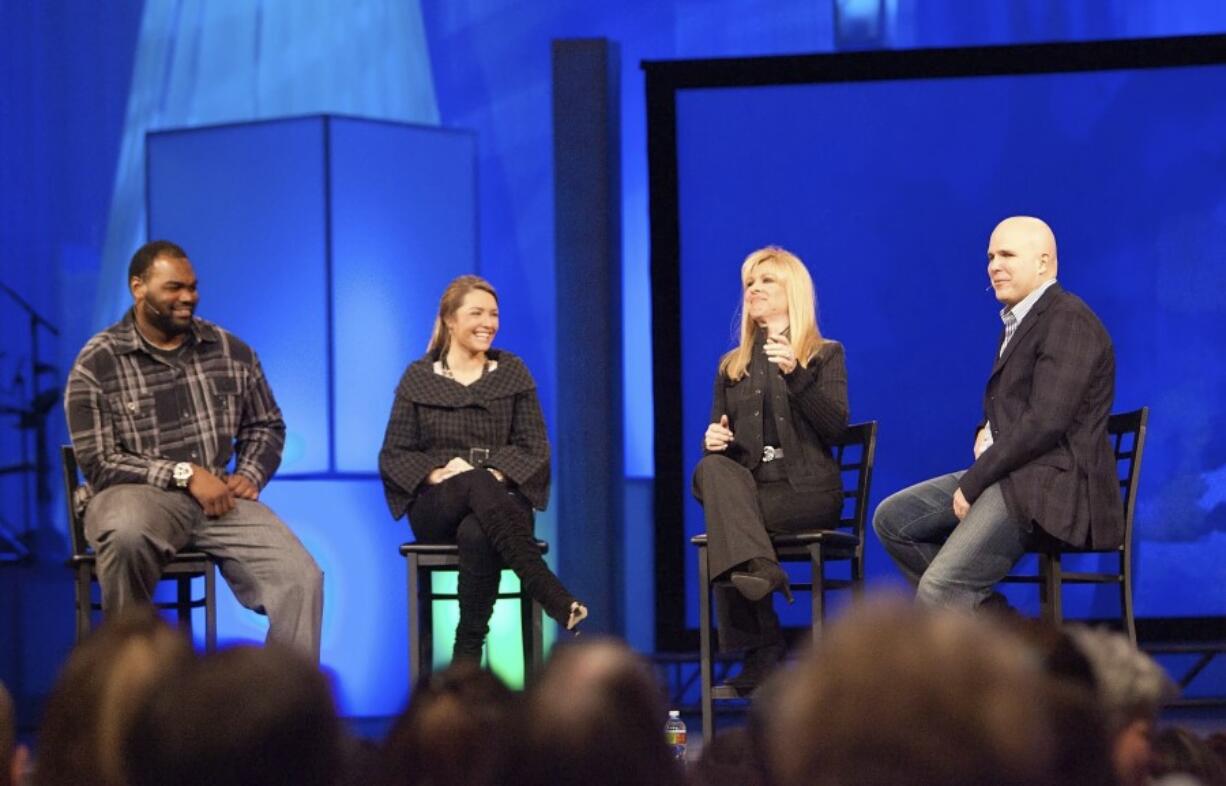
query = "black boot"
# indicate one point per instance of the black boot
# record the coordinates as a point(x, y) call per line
point(517, 548)
point(477, 595)
point(758, 665)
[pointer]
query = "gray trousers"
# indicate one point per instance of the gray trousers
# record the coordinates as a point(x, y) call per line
point(741, 509)
point(135, 530)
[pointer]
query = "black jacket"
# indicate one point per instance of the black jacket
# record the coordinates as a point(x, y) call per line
point(810, 406)
point(1048, 399)
point(435, 419)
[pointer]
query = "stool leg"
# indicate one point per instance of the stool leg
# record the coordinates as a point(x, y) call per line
point(414, 622)
point(857, 574)
point(85, 601)
point(210, 608)
point(531, 635)
point(1130, 621)
point(1050, 574)
point(183, 604)
point(426, 576)
point(525, 632)
point(704, 644)
point(817, 593)
point(1057, 595)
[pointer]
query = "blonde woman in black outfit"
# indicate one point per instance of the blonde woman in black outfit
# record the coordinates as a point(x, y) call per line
point(780, 400)
point(466, 455)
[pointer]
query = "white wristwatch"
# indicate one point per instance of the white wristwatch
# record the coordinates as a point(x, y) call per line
point(182, 474)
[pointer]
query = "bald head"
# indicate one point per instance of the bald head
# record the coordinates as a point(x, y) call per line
point(1031, 232)
point(1021, 258)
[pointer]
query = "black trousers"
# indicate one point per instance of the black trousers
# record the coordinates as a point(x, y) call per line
point(492, 527)
point(742, 508)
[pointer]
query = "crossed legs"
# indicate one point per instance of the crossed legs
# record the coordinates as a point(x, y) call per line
point(740, 513)
point(491, 528)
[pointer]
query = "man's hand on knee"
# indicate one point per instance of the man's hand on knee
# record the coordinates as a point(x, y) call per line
point(241, 487)
point(213, 495)
point(961, 506)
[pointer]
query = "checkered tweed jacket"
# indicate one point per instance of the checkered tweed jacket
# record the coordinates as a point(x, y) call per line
point(435, 419)
point(133, 413)
point(1048, 398)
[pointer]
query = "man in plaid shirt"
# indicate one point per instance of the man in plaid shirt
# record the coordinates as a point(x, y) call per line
point(157, 406)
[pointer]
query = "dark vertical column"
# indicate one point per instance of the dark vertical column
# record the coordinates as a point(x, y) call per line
point(588, 465)
point(668, 491)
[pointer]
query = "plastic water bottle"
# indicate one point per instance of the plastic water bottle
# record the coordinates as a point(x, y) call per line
point(674, 735)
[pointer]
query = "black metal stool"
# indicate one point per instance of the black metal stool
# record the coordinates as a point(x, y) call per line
point(854, 452)
point(424, 559)
point(182, 569)
point(1126, 432)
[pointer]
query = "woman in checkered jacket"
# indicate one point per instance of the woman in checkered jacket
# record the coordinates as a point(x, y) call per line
point(466, 456)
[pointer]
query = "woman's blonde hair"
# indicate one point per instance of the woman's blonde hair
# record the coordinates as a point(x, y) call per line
point(803, 333)
point(448, 304)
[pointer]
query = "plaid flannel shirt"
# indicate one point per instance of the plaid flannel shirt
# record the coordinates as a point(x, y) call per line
point(134, 412)
point(435, 419)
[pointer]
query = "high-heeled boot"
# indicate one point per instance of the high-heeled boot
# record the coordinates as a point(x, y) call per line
point(764, 648)
point(477, 595)
point(517, 548)
point(509, 531)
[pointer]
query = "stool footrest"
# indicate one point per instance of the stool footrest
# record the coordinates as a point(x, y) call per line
point(448, 549)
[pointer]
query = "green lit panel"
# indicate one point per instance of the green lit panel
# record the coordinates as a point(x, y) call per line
point(504, 654)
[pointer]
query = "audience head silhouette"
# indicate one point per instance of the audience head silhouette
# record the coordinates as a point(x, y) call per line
point(455, 731)
point(595, 717)
point(897, 695)
point(99, 691)
point(243, 716)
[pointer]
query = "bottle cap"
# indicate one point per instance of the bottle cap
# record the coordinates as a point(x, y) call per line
point(674, 713)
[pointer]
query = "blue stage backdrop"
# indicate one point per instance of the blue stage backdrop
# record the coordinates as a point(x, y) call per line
point(324, 242)
point(889, 188)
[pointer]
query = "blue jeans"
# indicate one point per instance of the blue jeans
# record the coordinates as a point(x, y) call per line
point(952, 563)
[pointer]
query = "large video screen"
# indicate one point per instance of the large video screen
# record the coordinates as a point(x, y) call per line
point(888, 189)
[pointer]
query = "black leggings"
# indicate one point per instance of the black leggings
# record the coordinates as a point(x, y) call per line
point(492, 526)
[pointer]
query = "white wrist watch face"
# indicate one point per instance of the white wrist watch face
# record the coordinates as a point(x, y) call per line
point(182, 474)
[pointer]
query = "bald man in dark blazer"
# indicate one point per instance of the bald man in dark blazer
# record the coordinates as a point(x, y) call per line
point(1042, 459)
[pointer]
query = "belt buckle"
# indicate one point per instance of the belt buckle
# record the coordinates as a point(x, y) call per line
point(478, 456)
point(768, 453)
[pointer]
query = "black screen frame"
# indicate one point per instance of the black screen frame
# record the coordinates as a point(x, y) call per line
point(664, 79)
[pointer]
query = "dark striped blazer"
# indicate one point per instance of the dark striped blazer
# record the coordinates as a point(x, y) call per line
point(1048, 399)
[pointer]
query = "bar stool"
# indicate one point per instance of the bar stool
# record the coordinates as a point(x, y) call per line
point(424, 560)
point(182, 569)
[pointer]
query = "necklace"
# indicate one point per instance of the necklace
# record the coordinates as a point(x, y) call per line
point(446, 371)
